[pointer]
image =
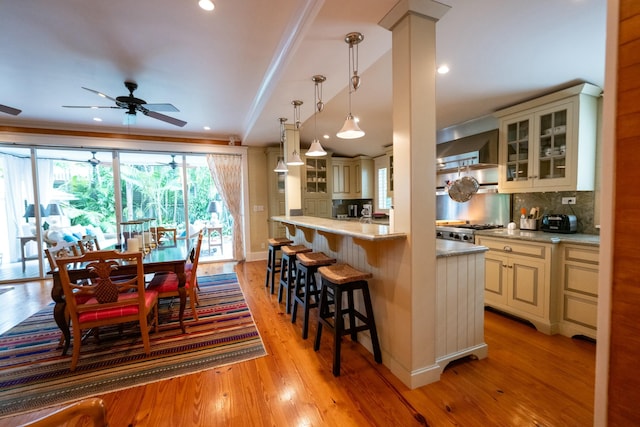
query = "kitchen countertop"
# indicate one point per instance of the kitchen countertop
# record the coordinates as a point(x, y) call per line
point(447, 248)
point(360, 230)
point(541, 236)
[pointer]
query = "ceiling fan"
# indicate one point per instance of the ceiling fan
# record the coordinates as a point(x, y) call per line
point(133, 105)
point(9, 110)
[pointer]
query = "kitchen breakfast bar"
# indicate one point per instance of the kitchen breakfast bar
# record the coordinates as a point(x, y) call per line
point(374, 248)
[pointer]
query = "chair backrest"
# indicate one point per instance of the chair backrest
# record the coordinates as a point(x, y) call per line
point(108, 281)
point(61, 250)
point(88, 243)
point(166, 233)
point(194, 254)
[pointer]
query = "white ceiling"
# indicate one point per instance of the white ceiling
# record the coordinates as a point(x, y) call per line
point(238, 68)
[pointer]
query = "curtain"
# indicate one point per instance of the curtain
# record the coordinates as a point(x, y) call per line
point(18, 191)
point(226, 172)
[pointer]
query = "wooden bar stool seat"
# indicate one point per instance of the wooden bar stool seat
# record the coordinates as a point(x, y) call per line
point(288, 272)
point(273, 264)
point(338, 279)
point(306, 285)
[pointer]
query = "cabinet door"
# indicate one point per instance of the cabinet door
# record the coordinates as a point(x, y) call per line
point(515, 149)
point(527, 285)
point(341, 179)
point(554, 135)
point(495, 279)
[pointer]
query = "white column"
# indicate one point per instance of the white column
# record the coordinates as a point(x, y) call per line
point(413, 24)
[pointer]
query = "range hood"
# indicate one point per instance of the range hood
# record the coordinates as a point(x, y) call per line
point(473, 152)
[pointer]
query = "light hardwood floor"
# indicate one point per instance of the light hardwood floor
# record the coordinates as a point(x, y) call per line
point(528, 379)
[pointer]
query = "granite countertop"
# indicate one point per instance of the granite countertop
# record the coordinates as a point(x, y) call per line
point(447, 248)
point(358, 229)
point(543, 237)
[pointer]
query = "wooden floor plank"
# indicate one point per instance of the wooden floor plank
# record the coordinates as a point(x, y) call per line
point(529, 379)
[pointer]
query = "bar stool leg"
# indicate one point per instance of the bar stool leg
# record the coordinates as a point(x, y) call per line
point(322, 312)
point(377, 354)
point(338, 322)
point(284, 271)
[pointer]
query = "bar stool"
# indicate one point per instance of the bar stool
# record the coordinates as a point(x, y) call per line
point(273, 266)
point(338, 279)
point(288, 271)
point(306, 286)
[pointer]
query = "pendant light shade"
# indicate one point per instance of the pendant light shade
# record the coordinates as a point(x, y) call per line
point(316, 150)
point(281, 167)
point(295, 159)
point(350, 129)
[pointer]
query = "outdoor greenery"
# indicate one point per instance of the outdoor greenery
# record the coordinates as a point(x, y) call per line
point(148, 191)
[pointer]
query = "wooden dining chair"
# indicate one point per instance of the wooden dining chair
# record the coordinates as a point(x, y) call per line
point(88, 243)
point(113, 299)
point(166, 235)
point(61, 250)
point(166, 283)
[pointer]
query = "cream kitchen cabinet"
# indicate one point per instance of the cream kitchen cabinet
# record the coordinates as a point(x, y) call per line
point(579, 290)
point(276, 193)
point(518, 280)
point(316, 182)
point(353, 178)
point(549, 144)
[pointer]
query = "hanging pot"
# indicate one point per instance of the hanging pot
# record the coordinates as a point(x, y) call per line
point(463, 188)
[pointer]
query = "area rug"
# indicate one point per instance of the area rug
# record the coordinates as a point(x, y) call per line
point(34, 374)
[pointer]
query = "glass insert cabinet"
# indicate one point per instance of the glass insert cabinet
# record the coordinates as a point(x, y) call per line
point(550, 146)
point(316, 175)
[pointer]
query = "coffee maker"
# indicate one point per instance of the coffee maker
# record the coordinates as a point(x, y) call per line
point(353, 211)
point(367, 210)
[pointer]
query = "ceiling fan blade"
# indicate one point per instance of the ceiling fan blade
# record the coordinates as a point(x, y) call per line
point(99, 93)
point(10, 110)
point(164, 118)
point(90, 106)
point(161, 107)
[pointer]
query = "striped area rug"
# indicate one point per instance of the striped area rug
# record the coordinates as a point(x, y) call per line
point(33, 374)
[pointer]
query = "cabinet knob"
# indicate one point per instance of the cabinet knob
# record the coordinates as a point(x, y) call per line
point(507, 249)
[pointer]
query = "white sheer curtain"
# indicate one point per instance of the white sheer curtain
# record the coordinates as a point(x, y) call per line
point(18, 190)
point(226, 172)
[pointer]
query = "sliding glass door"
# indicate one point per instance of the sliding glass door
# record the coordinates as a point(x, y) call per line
point(82, 192)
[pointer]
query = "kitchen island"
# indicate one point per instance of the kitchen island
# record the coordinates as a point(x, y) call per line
point(459, 316)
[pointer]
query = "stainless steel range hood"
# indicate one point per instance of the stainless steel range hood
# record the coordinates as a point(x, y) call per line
point(473, 152)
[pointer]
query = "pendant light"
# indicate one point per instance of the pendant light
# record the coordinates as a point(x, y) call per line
point(295, 159)
point(350, 129)
point(316, 149)
point(281, 167)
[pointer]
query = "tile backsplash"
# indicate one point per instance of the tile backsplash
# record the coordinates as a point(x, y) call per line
point(551, 203)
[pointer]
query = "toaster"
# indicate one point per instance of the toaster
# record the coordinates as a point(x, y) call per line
point(559, 223)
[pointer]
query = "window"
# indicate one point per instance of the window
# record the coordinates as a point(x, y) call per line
point(383, 201)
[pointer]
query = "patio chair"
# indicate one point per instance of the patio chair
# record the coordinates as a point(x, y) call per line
point(166, 284)
point(113, 300)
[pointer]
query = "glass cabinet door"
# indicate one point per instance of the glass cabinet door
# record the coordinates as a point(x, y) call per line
point(517, 145)
point(316, 175)
point(553, 145)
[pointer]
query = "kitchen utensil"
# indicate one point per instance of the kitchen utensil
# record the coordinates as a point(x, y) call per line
point(462, 189)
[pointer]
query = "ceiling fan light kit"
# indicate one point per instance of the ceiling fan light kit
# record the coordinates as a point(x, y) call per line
point(316, 150)
point(350, 129)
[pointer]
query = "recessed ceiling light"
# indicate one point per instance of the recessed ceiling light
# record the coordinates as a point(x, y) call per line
point(97, 119)
point(325, 136)
point(443, 69)
point(206, 4)
point(206, 128)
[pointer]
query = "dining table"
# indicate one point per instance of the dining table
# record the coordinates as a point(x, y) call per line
point(171, 258)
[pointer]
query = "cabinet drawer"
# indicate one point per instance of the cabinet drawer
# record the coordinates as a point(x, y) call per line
point(514, 247)
point(581, 278)
point(581, 254)
point(581, 310)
